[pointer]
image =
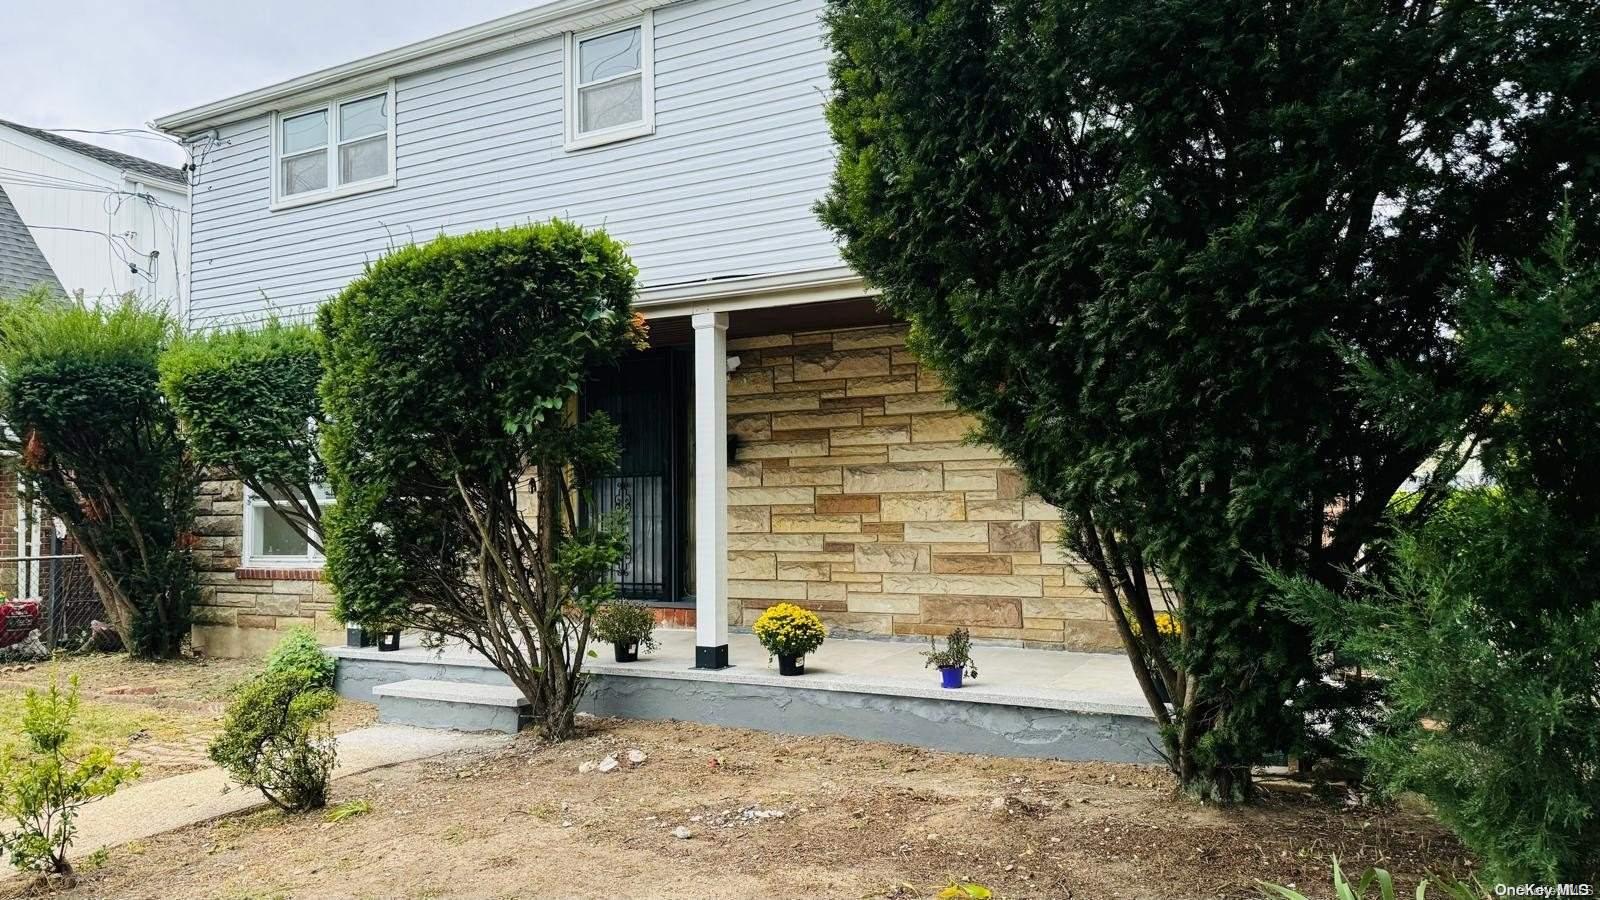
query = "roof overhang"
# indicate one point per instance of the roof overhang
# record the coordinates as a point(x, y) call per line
point(542, 21)
point(752, 292)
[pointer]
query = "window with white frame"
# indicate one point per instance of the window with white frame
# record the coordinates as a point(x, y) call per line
point(334, 149)
point(610, 83)
point(271, 542)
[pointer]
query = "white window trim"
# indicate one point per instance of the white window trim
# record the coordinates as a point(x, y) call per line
point(647, 84)
point(249, 560)
point(334, 190)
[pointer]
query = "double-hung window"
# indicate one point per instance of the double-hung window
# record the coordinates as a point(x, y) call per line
point(610, 83)
point(334, 149)
point(271, 542)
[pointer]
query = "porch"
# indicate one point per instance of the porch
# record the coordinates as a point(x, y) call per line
point(1025, 702)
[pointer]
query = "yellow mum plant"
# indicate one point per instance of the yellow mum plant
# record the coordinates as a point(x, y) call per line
point(789, 630)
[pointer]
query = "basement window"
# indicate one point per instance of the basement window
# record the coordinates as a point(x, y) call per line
point(271, 542)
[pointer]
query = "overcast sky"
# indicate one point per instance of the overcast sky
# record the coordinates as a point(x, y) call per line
point(108, 64)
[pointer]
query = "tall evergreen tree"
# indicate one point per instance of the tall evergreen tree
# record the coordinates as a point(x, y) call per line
point(1146, 242)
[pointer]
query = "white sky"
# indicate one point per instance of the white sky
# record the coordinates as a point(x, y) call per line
point(106, 64)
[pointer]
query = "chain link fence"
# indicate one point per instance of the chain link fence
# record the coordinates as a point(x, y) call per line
point(65, 594)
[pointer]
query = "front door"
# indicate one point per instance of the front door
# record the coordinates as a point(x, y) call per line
point(645, 397)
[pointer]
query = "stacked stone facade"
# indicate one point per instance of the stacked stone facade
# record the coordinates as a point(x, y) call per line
point(244, 612)
point(854, 493)
point(851, 492)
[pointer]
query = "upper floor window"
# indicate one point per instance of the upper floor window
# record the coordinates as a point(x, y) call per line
point(610, 83)
point(342, 147)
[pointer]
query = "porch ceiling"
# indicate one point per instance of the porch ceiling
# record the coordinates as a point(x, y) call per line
point(675, 331)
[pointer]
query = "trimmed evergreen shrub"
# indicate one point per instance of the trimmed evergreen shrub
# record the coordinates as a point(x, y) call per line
point(247, 400)
point(95, 442)
point(1142, 241)
point(454, 446)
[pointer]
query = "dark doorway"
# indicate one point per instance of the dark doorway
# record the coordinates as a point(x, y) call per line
point(646, 396)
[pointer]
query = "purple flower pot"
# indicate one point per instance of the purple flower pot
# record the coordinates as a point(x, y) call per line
point(950, 676)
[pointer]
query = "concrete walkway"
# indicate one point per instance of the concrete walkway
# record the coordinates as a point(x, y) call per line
point(155, 807)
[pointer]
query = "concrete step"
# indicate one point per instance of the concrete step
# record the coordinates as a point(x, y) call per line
point(456, 705)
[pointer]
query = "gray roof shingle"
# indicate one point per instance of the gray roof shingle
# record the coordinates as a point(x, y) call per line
point(109, 157)
point(22, 264)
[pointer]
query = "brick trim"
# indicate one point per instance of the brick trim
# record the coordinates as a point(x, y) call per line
point(253, 574)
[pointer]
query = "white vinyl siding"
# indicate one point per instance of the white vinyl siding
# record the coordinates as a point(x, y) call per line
point(724, 187)
point(334, 149)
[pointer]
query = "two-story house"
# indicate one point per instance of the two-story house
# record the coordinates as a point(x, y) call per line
point(781, 443)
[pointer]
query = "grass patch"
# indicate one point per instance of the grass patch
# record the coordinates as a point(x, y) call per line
point(102, 724)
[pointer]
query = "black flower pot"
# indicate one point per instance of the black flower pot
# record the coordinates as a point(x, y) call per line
point(627, 651)
point(356, 636)
point(791, 665)
point(389, 641)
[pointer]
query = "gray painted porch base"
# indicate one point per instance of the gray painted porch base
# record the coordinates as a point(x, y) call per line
point(953, 725)
point(968, 725)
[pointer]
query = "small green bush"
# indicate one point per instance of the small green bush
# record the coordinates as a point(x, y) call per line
point(300, 652)
point(43, 791)
point(276, 738)
point(626, 621)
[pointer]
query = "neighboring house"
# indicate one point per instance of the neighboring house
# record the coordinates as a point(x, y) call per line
point(108, 223)
point(22, 268)
point(693, 131)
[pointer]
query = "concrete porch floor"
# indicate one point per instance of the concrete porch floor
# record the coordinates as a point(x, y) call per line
point(1011, 676)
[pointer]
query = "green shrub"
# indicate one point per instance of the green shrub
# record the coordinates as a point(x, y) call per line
point(626, 621)
point(247, 400)
point(42, 792)
point(94, 440)
point(300, 652)
point(1486, 627)
point(276, 738)
point(1140, 242)
point(453, 444)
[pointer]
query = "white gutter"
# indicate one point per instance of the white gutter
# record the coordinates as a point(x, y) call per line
point(542, 21)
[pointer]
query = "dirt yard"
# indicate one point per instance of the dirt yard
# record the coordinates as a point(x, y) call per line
point(766, 816)
point(162, 715)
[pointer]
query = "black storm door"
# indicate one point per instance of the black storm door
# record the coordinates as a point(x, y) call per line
point(644, 396)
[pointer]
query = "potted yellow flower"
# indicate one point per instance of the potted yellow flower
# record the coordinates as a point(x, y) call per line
point(789, 632)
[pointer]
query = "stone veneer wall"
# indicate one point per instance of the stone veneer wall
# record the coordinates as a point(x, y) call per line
point(853, 494)
point(244, 612)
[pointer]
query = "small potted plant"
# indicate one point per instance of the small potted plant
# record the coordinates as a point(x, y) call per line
point(628, 626)
point(954, 660)
point(789, 632)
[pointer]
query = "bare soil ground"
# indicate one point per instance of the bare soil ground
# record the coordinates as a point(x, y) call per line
point(162, 715)
point(768, 816)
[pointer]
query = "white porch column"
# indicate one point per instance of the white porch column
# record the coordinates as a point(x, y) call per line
point(711, 490)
